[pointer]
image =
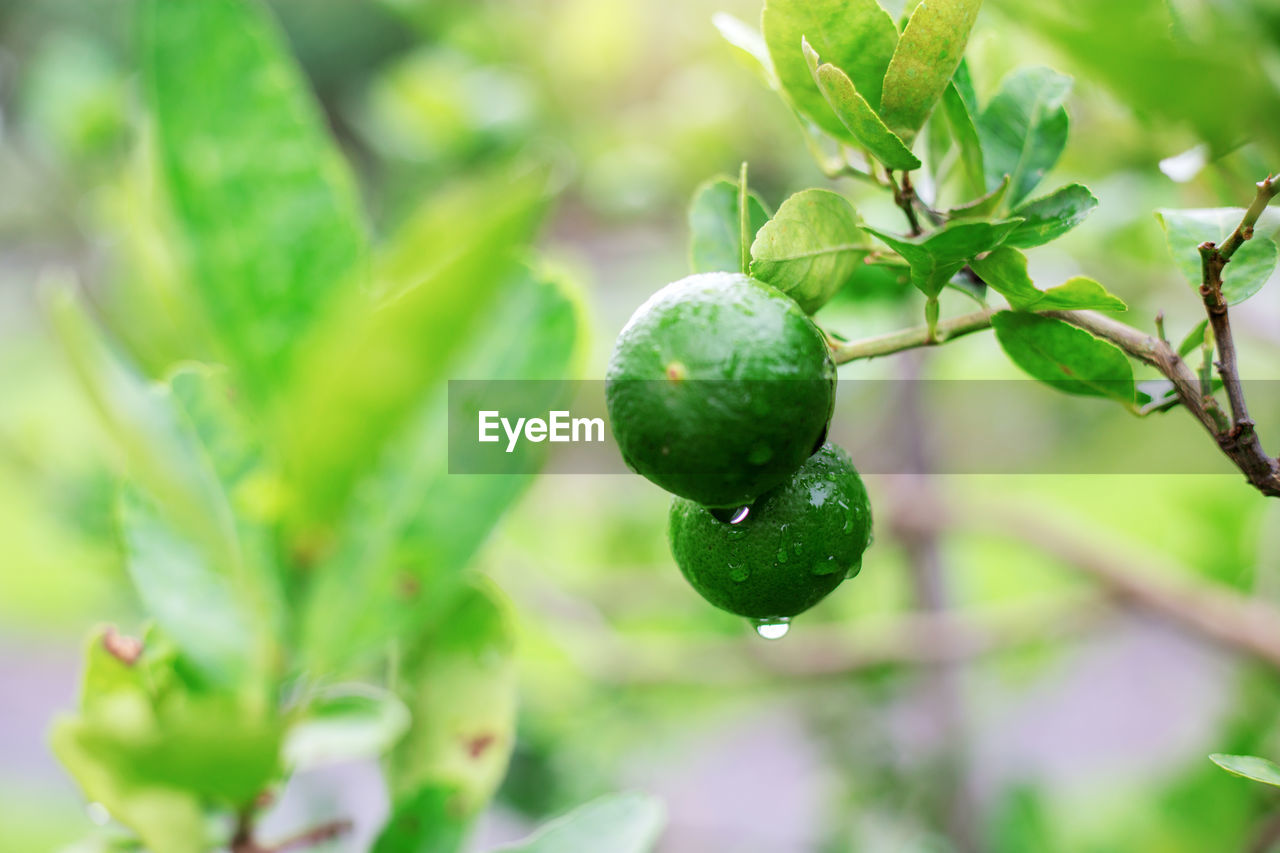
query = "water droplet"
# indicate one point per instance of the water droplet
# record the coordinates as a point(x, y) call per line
point(740, 515)
point(782, 553)
point(773, 628)
point(798, 546)
point(739, 572)
point(853, 570)
point(731, 515)
point(828, 566)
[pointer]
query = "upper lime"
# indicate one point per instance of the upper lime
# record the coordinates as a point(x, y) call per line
point(719, 388)
point(784, 553)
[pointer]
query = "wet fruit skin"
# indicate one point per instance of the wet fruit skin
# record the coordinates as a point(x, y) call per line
point(719, 388)
point(793, 547)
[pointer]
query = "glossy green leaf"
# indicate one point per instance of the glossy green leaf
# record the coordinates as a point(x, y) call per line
point(856, 36)
point(810, 248)
point(370, 365)
point(459, 680)
point(749, 41)
point(1061, 355)
point(415, 526)
point(1250, 267)
point(618, 823)
point(1051, 216)
point(427, 822)
point(965, 131)
point(926, 57)
point(857, 115)
point(345, 723)
point(715, 241)
point(938, 255)
point(1005, 271)
point(1024, 129)
point(1250, 767)
point(266, 203)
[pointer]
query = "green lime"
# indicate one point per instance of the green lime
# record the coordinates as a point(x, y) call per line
point(784, 553)
point(719, 388)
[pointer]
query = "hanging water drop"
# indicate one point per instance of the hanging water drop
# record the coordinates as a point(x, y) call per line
point(773, 628)
point(828, 566)
point(853, 570)
point(741, 515)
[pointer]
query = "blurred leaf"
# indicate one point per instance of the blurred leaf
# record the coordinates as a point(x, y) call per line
point(158, 452)
point(749, 41)
point(856, 36)
point(857, 115)
point(368, 367)
point(189, 599)
point(1251, 266)
point(810, 248)
point(1069, 359)
point(427, 822)
point(1194, 339)
point(938, 255)
point(926, 57)
point(617, 823)
point(166, 820)
point(715, 238)
point(1005, 270)
point(1024, 129)
point(415, 526)
point(960, 118)
point(345, 723)
point(1250, 767)
point(459, 680)
point(1051, 216)
point(1184, 75)
point(268, 207)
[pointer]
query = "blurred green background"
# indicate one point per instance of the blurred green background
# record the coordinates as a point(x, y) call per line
point(1076, 723)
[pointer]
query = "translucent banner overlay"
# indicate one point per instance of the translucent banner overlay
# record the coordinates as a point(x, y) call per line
point(888, 426)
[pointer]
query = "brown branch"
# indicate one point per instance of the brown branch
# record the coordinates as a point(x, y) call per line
point(243, 841)
point(1211, 611)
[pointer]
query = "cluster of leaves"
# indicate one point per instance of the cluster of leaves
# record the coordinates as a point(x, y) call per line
point(287, 518)
point(879, 93)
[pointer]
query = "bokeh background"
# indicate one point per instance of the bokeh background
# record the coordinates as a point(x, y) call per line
point(1040, 712)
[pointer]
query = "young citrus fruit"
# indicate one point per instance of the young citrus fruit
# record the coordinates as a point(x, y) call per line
point(719, 388)
point(784, 553)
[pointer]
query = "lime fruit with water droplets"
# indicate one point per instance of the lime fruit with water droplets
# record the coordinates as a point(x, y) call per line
point(719, 388)
point(820, 519)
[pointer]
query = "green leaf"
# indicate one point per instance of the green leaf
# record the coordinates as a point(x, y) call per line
point(1250, 767)
point(617, 823)
point(190, 599)
point(345, 723)
point(715, 242)
point(266, 203)
point(167, 820)
point(370, 365)
point(960, 119)
point(427, 822)
point(810, 248)
point(749, 41)
point(856, 36)
point(1024, 129)
point(156, 447)
point(938, 255)
point(857, 115)
point(1250, 267)
point(926, 57)
point(1061, 355)
point(982, 207)
point(459, 680)
point(1051, 216)
point(1005, 270)
point(1194, 339)
point(414, 526)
